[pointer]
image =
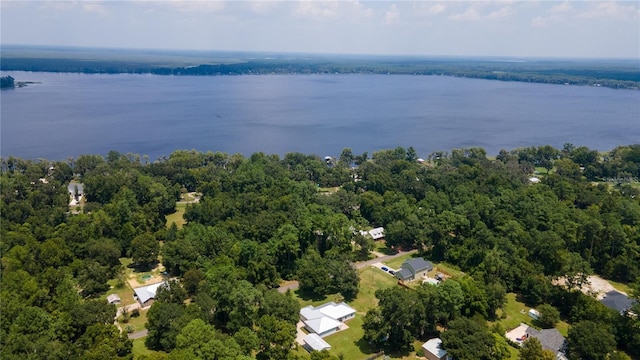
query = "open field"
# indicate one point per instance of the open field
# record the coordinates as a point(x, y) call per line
point(516, 313)
point(176, 217)
point(137, 322)
point(139, 350)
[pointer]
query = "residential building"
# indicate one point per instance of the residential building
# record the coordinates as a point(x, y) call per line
point(550, 339)
point(146, 294)
point(617, 301)
point(326, 319)
point(433, 350)
point(376, 233)
point(412, 269)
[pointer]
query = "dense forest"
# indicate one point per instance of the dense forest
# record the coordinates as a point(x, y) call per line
point(594, 72)
point(262, 220)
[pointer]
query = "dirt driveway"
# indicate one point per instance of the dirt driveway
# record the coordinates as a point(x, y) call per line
point(597, 286)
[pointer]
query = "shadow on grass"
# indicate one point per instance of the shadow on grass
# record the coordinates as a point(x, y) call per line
point(142, 268)
point(368, 349)
point(309, 296)
point(365, 347)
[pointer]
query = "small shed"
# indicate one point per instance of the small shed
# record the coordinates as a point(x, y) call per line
point(535, 314)
point(113, 299)
point(313, 342)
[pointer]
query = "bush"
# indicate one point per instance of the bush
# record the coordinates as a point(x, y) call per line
point(549, 316)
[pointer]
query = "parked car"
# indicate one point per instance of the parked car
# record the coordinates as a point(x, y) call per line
point(392, 272)
point(384, 268)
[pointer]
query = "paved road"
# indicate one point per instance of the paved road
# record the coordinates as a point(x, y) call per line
point(359, 265)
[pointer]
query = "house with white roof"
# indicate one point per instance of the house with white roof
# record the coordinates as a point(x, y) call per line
point(146, 294)
point(375, 233)
point(433, 350)
point(313, 342)
point(326, 319)
point(113, 299)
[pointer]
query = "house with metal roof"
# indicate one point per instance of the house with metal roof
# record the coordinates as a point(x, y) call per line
point(326, 319)
point(146, 294)
point(413, 269)
point(433, 350)
point(113, 299)
point(375, 233)
point(313, 342)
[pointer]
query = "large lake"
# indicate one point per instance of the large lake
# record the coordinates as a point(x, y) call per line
point(71, 114)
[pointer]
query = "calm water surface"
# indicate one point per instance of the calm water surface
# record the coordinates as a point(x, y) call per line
point(71, 114)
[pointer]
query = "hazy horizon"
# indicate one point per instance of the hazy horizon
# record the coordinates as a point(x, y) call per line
point(507, 29)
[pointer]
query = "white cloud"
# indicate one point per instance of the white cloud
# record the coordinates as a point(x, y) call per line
point(561, 8)
point(610, 9)
point(470, 14)
point(187, 6)
point(263, 7)
point(351, 10)
point(392, 15)
point(317, 9)
point(429, 9)
point(94, 7)
point(500, 13)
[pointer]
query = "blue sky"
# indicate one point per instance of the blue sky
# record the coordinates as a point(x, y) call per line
point(603, 29)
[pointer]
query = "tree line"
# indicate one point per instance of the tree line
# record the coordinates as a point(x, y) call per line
point(610, 73)
point(262, 219)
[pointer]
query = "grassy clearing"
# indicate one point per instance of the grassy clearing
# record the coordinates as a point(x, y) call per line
point(516, 312)
point(381, 247)
point(124, 292)
point(177, 217)
point(621, 286)
point(138, 322)
point(328, 191)
point(396, 262)
point(139, 350)
point(348, 342)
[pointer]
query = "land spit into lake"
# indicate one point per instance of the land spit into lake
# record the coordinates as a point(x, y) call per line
point(614, 73)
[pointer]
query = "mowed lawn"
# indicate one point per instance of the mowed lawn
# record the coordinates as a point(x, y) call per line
point(349, 343)
point(139, 349)
point(176, 217)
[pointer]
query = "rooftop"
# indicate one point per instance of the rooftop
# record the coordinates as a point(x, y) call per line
point(316, 343)
point(617, 301)
point(322, 324)
point(147, 292)
point(434, 346)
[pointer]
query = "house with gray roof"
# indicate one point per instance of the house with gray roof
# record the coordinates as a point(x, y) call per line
point(550, 339)
point(617, 301)
point(413, 269)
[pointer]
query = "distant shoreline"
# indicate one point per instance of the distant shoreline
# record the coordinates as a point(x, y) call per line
point(610, 73)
